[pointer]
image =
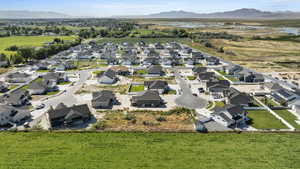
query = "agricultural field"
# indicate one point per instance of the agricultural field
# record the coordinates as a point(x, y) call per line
point(149, 150)
point(28, 41)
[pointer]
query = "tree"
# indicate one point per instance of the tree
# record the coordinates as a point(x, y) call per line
point(26, 53)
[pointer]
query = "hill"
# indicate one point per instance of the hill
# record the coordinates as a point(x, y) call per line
point(245, 13)
point(30, 15)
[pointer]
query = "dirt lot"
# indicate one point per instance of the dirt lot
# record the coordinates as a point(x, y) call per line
point(139, 120)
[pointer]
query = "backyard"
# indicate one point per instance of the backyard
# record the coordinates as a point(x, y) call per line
point(262, 119)
point(149, 150)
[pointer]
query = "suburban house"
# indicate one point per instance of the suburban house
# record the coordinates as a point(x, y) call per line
point(207, 76)
point(159, 46)
point(18, 77)
point(251, 77)
point(151, 61)
point(42, 87)
point(235, 97)
point(211, 61)
point(3, 87)
point(104, 99)
point(148, 98)
point(155, 70)
point(121, 70)
point(231, 115)
point(158, 85)
point(63, 116)
point(232, 69)
point(217, 88)
point(56, 77)
point(272, 86)
point(198, 70)
point(197, 57)
point(18, 98)
point(107, 77)
point(10, 116)
point(284, 96)
point(69, 65)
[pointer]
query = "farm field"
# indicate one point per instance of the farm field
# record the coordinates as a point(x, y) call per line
point(28, 41)
point(149, 150)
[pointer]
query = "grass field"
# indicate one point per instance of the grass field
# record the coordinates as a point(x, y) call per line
point(262, 119)
point(28, 41)
point(137, 88)
point(289, 117)
point(149, 150)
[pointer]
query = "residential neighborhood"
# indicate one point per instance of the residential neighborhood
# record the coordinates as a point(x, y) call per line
point(79, 87)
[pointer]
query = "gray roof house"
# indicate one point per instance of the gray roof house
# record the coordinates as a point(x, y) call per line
point(18, 77)
point(56, 77)
point(155, 70)
point(284, 96)
point(42, 87)
point(198, 70)
point(233, 69)
point(272, 86)
point(63, 116)
point(10, 116)
point(158, 85)
point(231, 115)
point(207, 76)
point(107, 77)
point(3, 87)
point(148, 98)
point(104, 99)
point(18, 98)
point(212, 61)
point(238, 98)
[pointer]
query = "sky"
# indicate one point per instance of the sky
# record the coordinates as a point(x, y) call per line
point(106, 8)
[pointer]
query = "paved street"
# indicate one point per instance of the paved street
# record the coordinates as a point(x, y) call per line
point(67, 97)
point(186, 99)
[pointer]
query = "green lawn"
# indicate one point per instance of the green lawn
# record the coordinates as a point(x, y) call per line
point(28, 41)
point(149, 150)
point(262, 119)
point(140, 72)
point(137, 88)
point(289, 117)
point(171, 92)
point(192, 77)
point(65, 83)
point(52, 93)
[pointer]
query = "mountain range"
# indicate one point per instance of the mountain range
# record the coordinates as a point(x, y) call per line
point(30, 15)
point(244, 13)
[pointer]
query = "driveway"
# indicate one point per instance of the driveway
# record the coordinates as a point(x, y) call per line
point(186, 99)
point(67, 97)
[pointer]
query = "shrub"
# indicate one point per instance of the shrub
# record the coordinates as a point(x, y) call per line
point(161, 119)
point(100, 125)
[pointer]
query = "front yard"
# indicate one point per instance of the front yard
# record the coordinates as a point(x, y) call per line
point(262, 119)
point(137, 88)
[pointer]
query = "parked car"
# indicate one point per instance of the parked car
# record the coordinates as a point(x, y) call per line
point(40, 107)
point(194, 94)
point(201, 90)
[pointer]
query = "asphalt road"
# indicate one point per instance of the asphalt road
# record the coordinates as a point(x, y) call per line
point(66, 97)
point(186, 99)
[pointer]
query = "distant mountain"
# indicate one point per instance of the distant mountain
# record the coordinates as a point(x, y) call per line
point(31, 15)
point(244, 13)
